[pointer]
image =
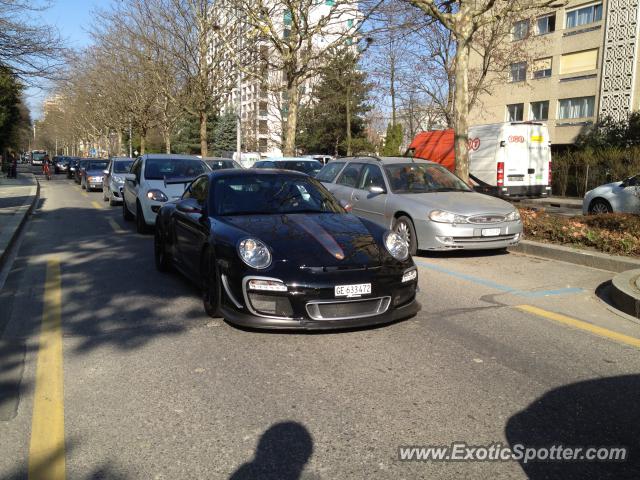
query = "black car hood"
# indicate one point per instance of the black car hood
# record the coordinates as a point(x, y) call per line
point(314, 240)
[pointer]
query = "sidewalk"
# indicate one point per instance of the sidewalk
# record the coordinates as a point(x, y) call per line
point(565, 202)
point(17, 198)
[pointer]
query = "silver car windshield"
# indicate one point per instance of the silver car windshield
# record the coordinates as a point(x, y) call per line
point(423, 178)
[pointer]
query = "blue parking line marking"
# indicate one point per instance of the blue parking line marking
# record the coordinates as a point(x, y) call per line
point(497, 286)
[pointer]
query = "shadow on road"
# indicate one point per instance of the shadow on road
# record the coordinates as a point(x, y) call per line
point(282, 452)
point(594, 413)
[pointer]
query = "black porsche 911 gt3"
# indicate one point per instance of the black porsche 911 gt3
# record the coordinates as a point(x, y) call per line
point(274, 249)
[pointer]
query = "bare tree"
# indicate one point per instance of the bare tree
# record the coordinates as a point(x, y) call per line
point(297, 36)
point(466, 20)
point(26, 47)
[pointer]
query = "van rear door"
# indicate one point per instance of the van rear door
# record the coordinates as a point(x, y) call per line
point(516, 156)
point(539, 155)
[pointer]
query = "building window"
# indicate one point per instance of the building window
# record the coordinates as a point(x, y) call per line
point(584, 15)
point(579, 61)
point(519, 72)
point(515, 112)
point(546, 24)
point(540, 110)
point(541, 68)
point(520, 30)
point(580, 107)
point(350, 23)
point(330, 3)
point(287, 18)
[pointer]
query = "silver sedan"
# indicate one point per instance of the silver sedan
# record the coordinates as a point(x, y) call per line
point(424, 202)
point(614, 197)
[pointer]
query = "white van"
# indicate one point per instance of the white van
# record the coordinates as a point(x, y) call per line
point(511, 159)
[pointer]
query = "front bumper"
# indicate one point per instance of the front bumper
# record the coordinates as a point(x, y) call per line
point(446, 236)
point(399, 300)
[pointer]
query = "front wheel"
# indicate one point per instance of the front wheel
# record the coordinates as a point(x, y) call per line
point(210, 280)
point(599, 206)
point(126, 214)
point(141, 224)
point(162, 258)
point(404, 228)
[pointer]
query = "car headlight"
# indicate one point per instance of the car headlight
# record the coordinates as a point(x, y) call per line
point(446, 217)
point(396, 246)
point(254, 253)
point(513, 216)
point(157, 196)
point(118, 180)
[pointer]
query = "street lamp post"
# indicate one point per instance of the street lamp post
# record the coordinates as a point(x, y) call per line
point(239, 87)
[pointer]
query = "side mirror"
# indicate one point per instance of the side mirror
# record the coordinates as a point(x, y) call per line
point(189, 206)
point(129, 177)
point(377, 190)
point(106, 172)
point(346, 205)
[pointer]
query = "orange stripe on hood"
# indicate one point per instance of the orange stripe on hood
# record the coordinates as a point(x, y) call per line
point(315, 230)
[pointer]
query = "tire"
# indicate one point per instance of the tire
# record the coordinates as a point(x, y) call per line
point(162, 258)
point(404, 227)
point(126, 214)
point(599, 206)
point(210, 286)
point(141, 225)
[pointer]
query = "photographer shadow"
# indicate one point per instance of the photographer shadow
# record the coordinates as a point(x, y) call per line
point(594, 413)
point(282, 452)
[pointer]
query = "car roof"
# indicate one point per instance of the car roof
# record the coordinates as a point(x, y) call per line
point(120, 159)
point(248, 172)
point(289, 159)
point(381, 160)
point(169, 156)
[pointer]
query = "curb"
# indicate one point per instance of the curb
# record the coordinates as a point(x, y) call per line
point(15, 225)
point(625, 292)
point(587, 258)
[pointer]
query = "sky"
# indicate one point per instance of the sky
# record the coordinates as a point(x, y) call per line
point(74, 19)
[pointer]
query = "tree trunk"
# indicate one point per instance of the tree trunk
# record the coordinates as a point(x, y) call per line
point(143, 141)
point(292, 121)
point(461, 110)
point(203, 133)
point(348, 105)
point(392, 89)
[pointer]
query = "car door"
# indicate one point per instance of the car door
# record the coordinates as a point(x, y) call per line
point(106, 182)
point(191, 226)
point(367, 203)
point(630, 195)
point(131, 187)
point(344, 185)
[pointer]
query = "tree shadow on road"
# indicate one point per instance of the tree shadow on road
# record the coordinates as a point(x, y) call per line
point(282, 452)
point(594, 413)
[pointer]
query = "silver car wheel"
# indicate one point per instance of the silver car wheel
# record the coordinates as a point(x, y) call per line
point(599, 207)
point(402, 229)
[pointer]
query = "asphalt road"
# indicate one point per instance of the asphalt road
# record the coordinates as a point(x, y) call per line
point(155, 389)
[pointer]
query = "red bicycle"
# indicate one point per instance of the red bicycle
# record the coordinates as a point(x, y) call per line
point(46, 170)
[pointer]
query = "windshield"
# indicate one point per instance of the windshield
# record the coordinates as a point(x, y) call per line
point(122, 166)
point(161, 168)
point(271, 194)
point(309, 167)
point(421, 178)
point(96, 165)
point(222, 164)
point(37, 155)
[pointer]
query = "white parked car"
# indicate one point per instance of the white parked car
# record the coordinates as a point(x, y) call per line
point(153, 180)
point(114, 179)
point(621, 197)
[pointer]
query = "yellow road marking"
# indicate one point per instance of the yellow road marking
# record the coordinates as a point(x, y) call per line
point(47, 448)
point(84, 193)
point(115, 226)
point(96, 205)
point(588, 327)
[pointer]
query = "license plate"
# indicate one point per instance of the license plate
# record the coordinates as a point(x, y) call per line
point(490, 232)
point(353, 290)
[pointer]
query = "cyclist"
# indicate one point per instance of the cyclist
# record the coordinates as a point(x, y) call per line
point(46, 166)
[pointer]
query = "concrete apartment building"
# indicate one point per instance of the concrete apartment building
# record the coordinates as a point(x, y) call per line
point(263, 100)
point(583, 66)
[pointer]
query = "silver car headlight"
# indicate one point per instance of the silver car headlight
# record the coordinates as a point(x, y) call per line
point(254, 253)
point(396, 246)
point(513, 216)
point(442, 216)
point(157, 196)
